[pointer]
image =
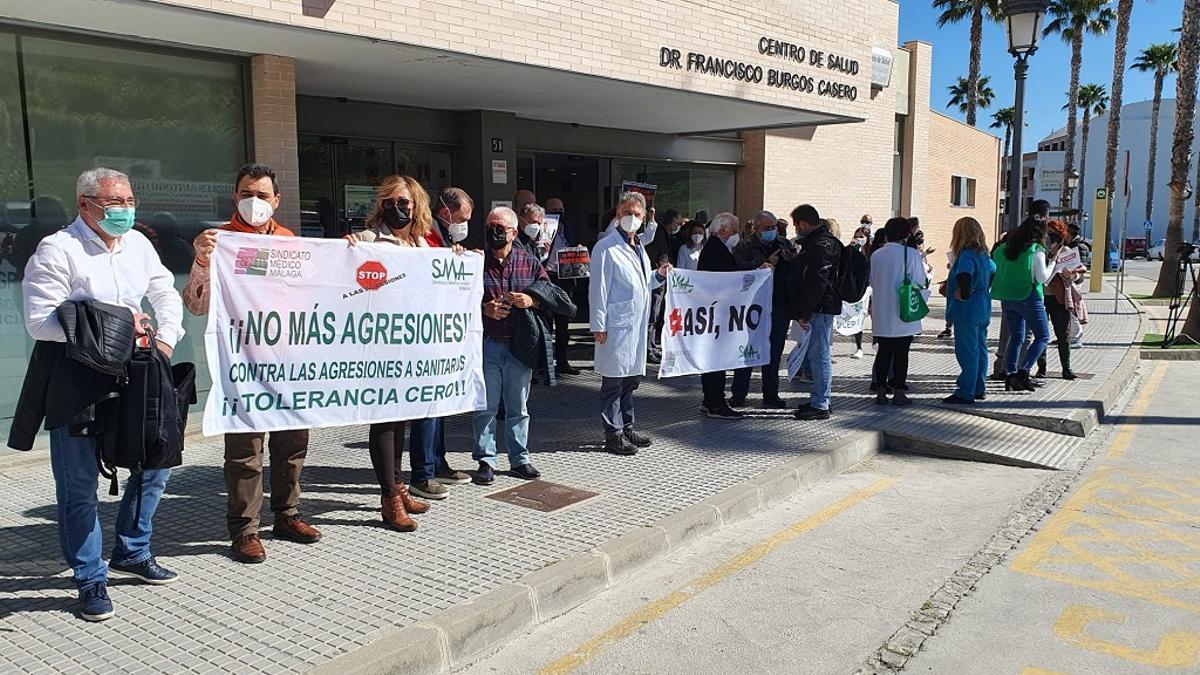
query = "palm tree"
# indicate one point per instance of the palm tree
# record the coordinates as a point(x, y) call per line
point(1072, 19)
point(1181, 148)
point(1158, 58)
point(960, 94)
point(1124, 12)
point(1093, 100)
point(954, 11)
point(1003, 119)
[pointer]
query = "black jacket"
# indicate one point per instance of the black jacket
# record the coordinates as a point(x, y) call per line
point(531, 342)
point(814, 277)
point(716, 257)
point(666, 245)
point(752, 253)
point(65, 381)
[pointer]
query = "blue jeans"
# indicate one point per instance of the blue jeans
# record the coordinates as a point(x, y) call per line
point(505, 378)
point(970, 348)
point(424, 439)
point(73, 462)
point(820, 360)
point(780, 321)
point(1022, 315)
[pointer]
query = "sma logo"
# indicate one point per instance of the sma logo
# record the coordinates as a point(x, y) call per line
point(747, 352)
point(450, 270)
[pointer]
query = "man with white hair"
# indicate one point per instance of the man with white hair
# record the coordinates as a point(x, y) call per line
point(100, 257)
point(619, 298)
point(508, 271)
point(717, 256)
point(766, 249)
point(533, 235)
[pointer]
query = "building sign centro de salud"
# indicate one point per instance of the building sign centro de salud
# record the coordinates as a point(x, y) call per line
point(779, 78)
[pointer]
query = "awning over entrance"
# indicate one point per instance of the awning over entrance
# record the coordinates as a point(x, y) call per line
point(335, 65)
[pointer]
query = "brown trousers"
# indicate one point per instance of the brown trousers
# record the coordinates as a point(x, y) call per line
point(243, 477)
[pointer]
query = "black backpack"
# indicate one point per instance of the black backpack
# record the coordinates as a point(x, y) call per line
point(852, 272)
point(150, 417)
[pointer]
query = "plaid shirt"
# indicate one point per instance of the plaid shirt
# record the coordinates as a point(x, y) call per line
point(518, 272)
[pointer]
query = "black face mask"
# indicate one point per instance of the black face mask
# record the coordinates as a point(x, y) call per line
point(396, 216)
point(497, 238)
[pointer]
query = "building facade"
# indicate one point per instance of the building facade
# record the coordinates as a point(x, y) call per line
point(1133, 163)
point(722, 105)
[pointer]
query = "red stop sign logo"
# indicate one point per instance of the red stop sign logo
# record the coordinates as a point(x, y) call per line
point(371, 275)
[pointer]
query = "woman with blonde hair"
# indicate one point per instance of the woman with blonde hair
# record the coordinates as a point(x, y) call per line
point(400, 217)
point(969, 308)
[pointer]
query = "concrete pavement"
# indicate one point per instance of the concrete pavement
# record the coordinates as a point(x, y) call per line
point(468, 579)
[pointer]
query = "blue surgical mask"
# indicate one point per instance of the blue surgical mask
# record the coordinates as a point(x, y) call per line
point(117, 220)
point(768, 236)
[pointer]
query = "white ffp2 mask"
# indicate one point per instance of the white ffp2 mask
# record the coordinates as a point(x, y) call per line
point(255, 212)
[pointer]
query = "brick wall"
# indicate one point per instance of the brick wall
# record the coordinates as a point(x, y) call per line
point(273, 129)
point(915, 147)
point(618, 38)
point(956, 149)
point(845, 170)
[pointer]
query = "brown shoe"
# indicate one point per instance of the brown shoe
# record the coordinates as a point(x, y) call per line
point(249, 549)
point(394, 515)
point(293, 528)
point(411, 505)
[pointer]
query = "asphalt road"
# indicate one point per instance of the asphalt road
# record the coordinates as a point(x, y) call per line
point(1108, 583)
point(1111, 581)
point(813, 586)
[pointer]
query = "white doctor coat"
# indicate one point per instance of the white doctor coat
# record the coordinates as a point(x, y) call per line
point(619, 295)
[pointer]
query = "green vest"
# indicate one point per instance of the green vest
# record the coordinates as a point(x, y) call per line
point(1014, 278)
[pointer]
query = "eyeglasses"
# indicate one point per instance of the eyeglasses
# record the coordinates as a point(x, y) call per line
point(105, 202)
point(397, 202)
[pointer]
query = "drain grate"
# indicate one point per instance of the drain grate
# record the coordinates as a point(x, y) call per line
point(541, 495)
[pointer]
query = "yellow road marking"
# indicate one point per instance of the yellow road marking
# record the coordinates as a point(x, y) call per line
point(1177, 649)
point(1125, 533)
point(1125, 434)
point(657, 609)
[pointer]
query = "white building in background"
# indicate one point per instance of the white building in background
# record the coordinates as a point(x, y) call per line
point(1135, 138)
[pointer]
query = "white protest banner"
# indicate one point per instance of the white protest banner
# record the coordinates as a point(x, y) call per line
point(309, 333)
point(716, 321)
point(796, 357)
point(853, 316)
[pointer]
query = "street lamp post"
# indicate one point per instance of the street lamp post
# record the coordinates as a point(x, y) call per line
point(1023, 20)
point(1072, 180)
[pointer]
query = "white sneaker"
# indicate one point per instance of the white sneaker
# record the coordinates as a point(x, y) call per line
point(857, 355)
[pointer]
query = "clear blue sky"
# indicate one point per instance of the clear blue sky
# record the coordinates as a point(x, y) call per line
point(1049, 68)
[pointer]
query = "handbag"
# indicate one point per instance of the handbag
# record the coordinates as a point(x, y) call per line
point(912, 302)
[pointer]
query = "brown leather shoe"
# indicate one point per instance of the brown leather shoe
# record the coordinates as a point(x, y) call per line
point(293, 528)
point(249, 549)
point(413, 506)
point(394, 514)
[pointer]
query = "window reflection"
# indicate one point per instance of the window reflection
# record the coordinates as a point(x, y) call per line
point(174, 124)
point(685, 189)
